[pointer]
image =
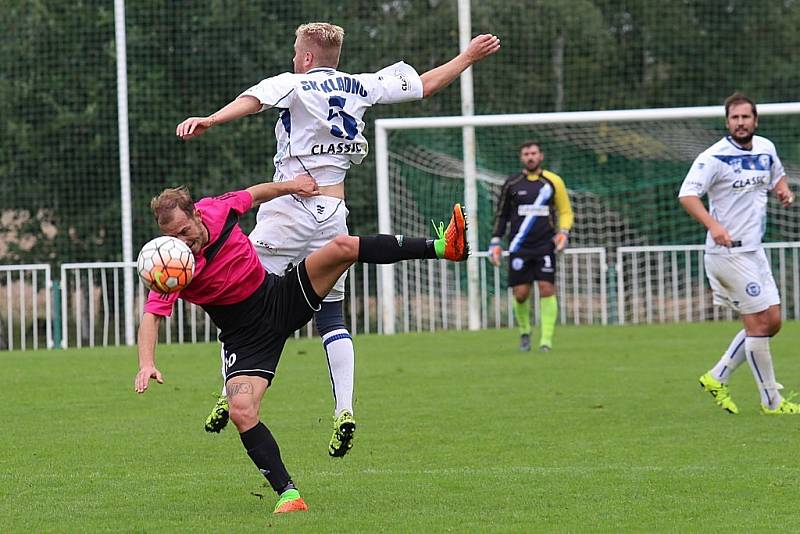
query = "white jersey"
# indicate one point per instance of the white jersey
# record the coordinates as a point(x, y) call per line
point(320, 130)
point(737, 181)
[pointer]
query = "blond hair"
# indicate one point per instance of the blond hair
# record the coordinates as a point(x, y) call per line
point(326, 38)
point(164, 204)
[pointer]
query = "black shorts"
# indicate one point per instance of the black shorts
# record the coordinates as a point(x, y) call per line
point(254, 331)
point(524, 268)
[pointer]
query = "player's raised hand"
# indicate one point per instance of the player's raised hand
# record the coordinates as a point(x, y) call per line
point(306, 186)
point(482, 46)
point(193, 127)
point(143, 378)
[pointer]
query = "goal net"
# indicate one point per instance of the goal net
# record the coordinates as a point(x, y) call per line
point(623, 170)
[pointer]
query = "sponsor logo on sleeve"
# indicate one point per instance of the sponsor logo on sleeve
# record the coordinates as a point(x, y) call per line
point(404, 85)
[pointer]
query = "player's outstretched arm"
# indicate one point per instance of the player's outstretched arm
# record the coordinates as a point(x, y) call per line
point(194, 126)
point(302, 186)
point(440, 77)
point(148, 339)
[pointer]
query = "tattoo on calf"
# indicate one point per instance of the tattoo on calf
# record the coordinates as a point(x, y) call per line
point(242, 388)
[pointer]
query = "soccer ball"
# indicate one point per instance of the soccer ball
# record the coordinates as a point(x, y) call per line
point(165, 264)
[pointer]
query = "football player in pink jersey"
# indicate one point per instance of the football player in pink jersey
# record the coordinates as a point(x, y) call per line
point(256, 310)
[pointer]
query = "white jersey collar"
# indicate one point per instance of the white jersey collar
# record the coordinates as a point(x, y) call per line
point(737, 145)
point(320, 69)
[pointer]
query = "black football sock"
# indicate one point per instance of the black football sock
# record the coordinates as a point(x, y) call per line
point(385, 248)
point(263, 450)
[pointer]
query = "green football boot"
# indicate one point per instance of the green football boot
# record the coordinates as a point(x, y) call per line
point(786, 407)
point(451, 242)
point(344, 427)
point(219, 415)
point(719, 391)
point(290, 501)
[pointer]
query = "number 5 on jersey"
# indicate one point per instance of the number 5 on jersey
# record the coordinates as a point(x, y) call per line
point(349, 123)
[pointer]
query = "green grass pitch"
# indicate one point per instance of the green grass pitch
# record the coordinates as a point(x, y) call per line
point(457, 431)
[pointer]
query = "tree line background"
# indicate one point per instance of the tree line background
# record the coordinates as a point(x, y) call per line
point(59, 171)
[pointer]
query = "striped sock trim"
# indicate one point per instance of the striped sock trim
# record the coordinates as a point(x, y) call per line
point(335, 335)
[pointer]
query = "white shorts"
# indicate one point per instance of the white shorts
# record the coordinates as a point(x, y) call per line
point(742, 281)
point(289, 228)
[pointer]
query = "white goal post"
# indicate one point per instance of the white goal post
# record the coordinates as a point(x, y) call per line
point(384, 126)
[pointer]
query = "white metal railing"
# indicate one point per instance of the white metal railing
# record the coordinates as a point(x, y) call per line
point(434, 295)
point(431, 296)
point(641, 294)
point(26, 292)
point(653, 284)
point(657, 284)
point(93, 308)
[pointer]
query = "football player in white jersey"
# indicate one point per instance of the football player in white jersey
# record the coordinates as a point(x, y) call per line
point(320, 132)
point(737, 173)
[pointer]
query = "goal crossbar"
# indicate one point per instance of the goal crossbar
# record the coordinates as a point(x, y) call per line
point(572, 117)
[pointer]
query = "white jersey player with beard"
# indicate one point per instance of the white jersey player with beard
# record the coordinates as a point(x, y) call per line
point(320, 132)
point(738, 173)
point(737, 182)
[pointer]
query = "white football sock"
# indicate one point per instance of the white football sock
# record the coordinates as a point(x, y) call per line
point(760, 360)
point(341, 363)
point(733, 358)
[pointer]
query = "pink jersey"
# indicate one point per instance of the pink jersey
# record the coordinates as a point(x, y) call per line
point(227, 270)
